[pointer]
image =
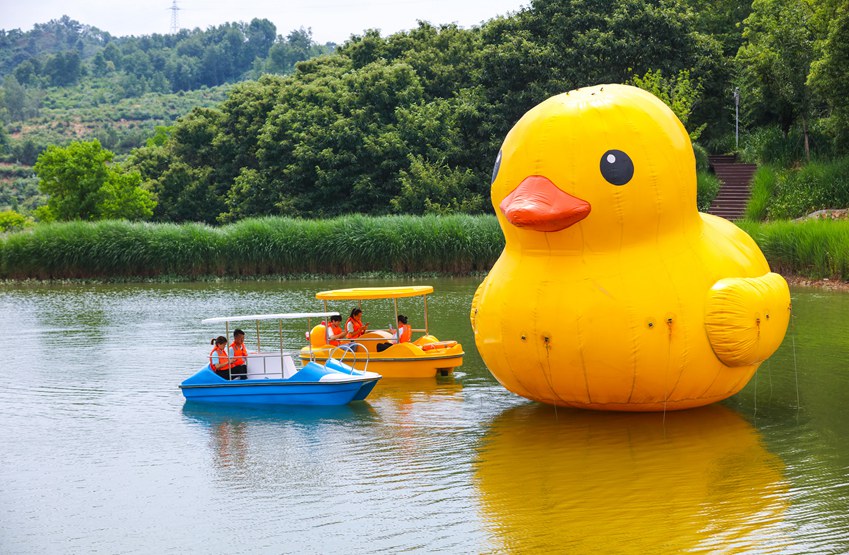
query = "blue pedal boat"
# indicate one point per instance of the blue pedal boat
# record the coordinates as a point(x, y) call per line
point(273, 377)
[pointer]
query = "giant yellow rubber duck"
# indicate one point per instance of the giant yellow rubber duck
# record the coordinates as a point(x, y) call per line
point(613, 292)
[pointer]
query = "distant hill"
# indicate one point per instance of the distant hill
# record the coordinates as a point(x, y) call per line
point(63, 81)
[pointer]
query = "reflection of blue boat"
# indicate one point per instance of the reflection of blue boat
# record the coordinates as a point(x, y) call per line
point(273, 378)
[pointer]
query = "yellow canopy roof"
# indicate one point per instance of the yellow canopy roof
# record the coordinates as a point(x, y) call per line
point(362, 293)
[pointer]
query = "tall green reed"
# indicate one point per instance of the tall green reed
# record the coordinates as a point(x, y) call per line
point(253, 247)
point(812, 248)
point(349, 244)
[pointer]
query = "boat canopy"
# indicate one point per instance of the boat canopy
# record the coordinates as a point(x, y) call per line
point(257, 317)
point(363, 293)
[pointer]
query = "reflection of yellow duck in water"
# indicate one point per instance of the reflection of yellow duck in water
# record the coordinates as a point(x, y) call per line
point(589, 482)
point(613, 292)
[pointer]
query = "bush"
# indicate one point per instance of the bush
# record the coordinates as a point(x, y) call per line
point(12, 221)
point(702, 162)
point(814, 186)
point(707, 187)
point(768, 145)
point(763, 188)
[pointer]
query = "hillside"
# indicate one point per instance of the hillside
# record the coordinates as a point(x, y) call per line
point(64, 81)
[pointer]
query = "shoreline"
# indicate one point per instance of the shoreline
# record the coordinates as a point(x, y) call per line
point(826, 283)
point(792, 280)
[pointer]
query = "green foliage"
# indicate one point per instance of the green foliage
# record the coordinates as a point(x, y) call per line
point(285, 246)
point(769, 145)
point(701, 155)
point(410, 122)
point(707, 187)
point(814, 186)
point(81, 184)
point(830, 76)
point(680, 93)
point(812, 248)
point(13, 221)
point(763, 189)
point(428, 188)
point(775, 60)
point(279, 246)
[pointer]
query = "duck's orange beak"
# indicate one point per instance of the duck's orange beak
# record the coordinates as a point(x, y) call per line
point(538, 204)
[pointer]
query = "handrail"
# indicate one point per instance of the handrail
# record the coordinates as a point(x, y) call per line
point(347, 348)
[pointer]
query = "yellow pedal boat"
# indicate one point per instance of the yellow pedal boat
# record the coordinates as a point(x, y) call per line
point(424, 357)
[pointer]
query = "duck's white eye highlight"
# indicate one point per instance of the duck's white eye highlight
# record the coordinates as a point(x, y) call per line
point(611, 158)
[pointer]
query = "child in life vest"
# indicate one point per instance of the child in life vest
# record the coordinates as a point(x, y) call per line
point(219, 361)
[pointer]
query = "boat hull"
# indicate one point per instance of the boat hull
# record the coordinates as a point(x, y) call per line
point(207, 387)
point(400, 361)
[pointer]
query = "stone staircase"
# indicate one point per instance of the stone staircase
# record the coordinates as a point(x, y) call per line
point(735, 189)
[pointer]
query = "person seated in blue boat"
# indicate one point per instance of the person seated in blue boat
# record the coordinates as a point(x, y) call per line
point(402, 335)
point(334, 330)
point(238, 356)
point(219, 360)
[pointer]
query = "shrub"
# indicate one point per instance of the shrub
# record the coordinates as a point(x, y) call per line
point(814, 186)
point(763, 187)
point(12, 221)
point(707, 187)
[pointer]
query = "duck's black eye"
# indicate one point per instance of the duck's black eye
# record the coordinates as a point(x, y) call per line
point(617, 167)
point(495, 168)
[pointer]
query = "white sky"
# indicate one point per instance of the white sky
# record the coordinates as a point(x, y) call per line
point(330, 20)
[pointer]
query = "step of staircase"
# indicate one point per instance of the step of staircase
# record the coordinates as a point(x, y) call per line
point(735, 189)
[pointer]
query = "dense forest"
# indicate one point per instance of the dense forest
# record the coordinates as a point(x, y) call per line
point(411, 123)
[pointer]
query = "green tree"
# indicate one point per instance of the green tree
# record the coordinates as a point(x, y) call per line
point(830, 75)
point(775, 61)
point(14, 98)
point(680, 93)
point(82, 184)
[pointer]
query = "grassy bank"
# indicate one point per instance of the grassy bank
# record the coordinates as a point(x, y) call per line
point(810, 248)
point(116, 250)
point(266, 246)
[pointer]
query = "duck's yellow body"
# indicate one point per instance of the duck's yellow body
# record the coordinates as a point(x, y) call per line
point(613, 292)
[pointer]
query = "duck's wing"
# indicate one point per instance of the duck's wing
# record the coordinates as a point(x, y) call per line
point(746, 318)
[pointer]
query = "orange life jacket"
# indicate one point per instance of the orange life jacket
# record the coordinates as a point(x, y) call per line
point(359, 329)
point(240, 354)
point(406, 333)
point(335, 329)
point(223, 359)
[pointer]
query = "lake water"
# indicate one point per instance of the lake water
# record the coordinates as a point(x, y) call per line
point(100, 454)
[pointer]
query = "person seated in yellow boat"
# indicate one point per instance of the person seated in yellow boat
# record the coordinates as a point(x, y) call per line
point(402, 335)
point(219, 361)
point(354, 327)
point(334, 330)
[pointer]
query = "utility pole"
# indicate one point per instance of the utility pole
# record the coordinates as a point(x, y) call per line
point(736, 117)
point(174, 10)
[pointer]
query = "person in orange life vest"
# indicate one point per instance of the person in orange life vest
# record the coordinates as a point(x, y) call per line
point(239, 356)
point(354, 327)
point(402, 335)
point(219, 361)
point(334, 330)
